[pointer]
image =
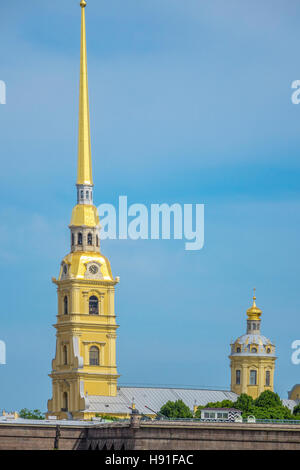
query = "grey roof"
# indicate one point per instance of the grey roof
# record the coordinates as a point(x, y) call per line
point(253, 339)
point(290, 403)
point(154, 398)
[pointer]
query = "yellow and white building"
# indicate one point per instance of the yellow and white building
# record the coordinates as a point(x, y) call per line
point(252, 358)
point(85, 359)
point(84, 371)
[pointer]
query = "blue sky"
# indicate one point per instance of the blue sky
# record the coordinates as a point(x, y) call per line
point(190, 103)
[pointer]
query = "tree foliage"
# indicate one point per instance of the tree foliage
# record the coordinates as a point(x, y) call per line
point(244, 403)
point(267, 406)
point(296, 410)
point(268, 399)
point(25, 413)
point(176, 409)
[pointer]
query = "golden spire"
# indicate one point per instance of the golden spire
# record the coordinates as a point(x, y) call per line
point(254, 312)
point(84, 175)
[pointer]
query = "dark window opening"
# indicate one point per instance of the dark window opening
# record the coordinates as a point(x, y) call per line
point(65, 402)
point(66, 307)
point(94, 356)
point(93, 305)
point(79, 238)
point(90, 239)
point(65, 355)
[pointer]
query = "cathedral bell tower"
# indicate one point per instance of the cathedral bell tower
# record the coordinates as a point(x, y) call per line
point(85, 359)
point(252, 358)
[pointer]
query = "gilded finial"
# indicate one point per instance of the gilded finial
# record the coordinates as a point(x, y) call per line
point(254, 297)
point(254, 312)
point(83, 3)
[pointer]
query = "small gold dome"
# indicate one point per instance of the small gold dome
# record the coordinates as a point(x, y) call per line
point(254, 312)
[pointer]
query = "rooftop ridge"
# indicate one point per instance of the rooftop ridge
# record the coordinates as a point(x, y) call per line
point(177, 387)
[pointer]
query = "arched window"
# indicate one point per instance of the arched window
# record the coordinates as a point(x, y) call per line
point(97, 240)
point(268, 378)
point(254, 350)
point(93, 305)
point(65, 354)
point(66, 306)
point(268, 350)
point(90, 239)
point(65, 402)
point(87, 194)
point(81, 194)
point(79, 238)
point(94, 356)
point(238, 349)
point(73, 241)
point(237, 377)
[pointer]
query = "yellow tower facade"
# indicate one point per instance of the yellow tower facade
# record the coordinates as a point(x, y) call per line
point(85, 359)
point(252, 358)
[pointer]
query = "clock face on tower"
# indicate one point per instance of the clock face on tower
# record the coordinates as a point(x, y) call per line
point(93, 269)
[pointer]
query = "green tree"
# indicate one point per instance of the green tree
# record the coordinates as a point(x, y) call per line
point(268, 399)
point(176, 409)
point(220, 404)
point(31, 414)
point(198, 411)
point(244, 403)
point(296, 410)
point(267, 406)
